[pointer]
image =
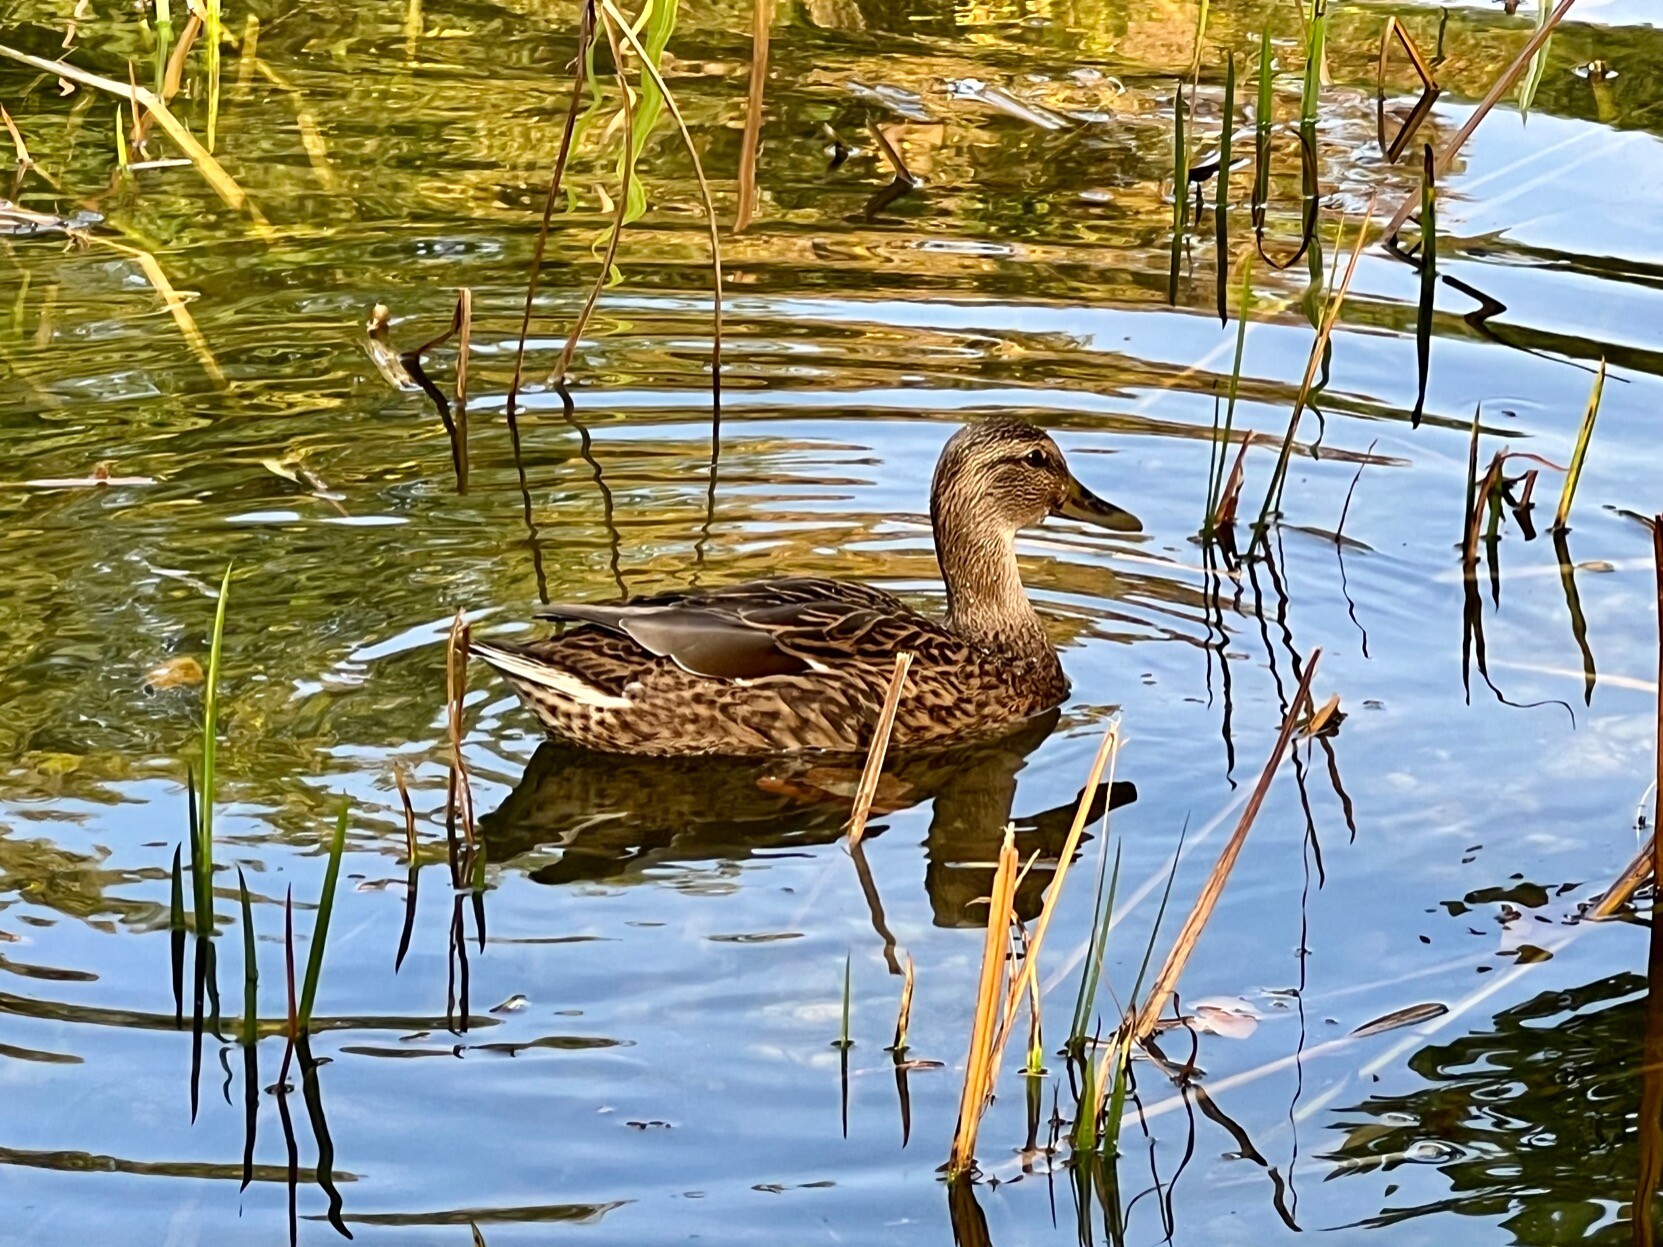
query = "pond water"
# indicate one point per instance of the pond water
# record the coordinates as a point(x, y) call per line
point(634, 1035)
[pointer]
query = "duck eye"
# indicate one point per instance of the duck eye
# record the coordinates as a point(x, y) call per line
point(1035, 458)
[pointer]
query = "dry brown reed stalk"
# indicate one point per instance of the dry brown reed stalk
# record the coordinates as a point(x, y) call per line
point(174, 76)
point(223, 184)
point(649, 68)
point(1634, 876)
point(1487, 488)
point(994, 1019)
point(620, 208)
point(409, 370)
point(1325, 330)
point(1488, 493)
point(981, 1066)
point(879, 747)
point(1167, 980)
point(18, 145)
point(762, 15)
point(903, 1016)
point(1423, 70)
point(456, 688)
point(891, 153)
point(1499, 88)
point(1229, 498)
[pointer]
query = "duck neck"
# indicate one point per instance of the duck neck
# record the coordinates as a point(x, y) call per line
point(986, 603)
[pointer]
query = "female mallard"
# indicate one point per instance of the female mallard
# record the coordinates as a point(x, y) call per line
point(784, 666)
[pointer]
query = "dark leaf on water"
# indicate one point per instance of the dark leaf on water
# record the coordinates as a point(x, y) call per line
point(1414, 1015)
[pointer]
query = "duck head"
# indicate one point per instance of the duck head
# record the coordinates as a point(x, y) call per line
point(994, 478)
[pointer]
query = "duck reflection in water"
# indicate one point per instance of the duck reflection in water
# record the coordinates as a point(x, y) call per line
point(578, 816)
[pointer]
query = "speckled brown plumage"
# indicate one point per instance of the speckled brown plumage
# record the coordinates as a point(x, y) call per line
point(799, 664)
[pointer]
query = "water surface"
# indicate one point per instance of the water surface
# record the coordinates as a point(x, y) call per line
point(670, 941)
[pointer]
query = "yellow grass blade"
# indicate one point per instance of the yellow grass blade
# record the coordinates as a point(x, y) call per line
point(18, 144)
point(981, 1066)
point(903, 1016)
point(1584, 434)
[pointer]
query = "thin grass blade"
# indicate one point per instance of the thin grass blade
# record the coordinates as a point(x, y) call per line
point(320, 931)
point(1221, 198)
point(1428, 280)
point(210, 741)
point(1584, 434)
point(251, 966)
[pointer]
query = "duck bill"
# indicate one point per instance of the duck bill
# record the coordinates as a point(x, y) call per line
point(1083, 505)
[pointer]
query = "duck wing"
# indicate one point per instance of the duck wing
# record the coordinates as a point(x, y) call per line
point(780, 627)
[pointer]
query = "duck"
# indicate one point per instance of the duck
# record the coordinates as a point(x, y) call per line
point(802, 664)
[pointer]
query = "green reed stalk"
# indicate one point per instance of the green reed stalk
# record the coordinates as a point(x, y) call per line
point(1428, 278)
point(176, 934)
point(1221, 438)
point(1180, 194)
point(164, 42)
point(120, 140)
point(1561, 518)
point(1108, 1134)
point(320, 930)
point(203, 862)
point(1084, 1134)
point(1261, 134)
point(1221, 198)
point(1096, 944)
point(202, 899)
point(1316, 43)
point(251, 966)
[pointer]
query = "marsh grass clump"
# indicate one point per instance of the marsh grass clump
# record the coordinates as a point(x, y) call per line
point(1008, 976)
point(1004, 983)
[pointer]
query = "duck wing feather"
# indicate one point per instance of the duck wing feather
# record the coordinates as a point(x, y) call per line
point(768, 628)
